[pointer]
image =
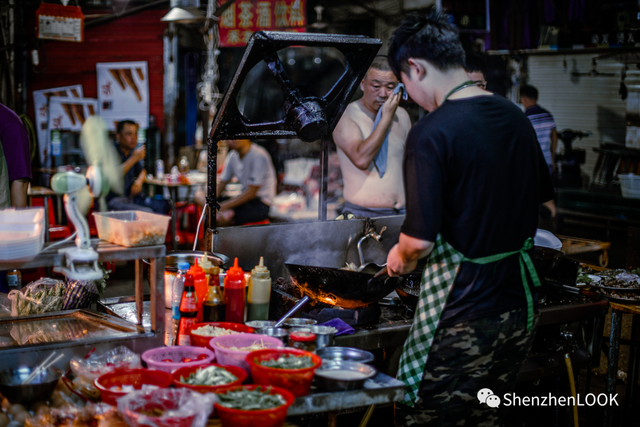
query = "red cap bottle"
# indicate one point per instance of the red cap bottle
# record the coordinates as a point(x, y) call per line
point(200, 283)
point(188, 311)
point(235, 293)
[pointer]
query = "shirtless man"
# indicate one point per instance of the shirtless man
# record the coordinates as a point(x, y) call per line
point(366, 193)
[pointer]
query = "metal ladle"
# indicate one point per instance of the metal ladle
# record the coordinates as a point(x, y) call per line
point(295, 308)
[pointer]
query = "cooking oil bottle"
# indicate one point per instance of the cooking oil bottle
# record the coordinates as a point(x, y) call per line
point(213, 306)
point(259, 292)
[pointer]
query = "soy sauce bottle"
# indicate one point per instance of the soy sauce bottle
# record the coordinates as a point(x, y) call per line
point(188, 311)
point(213, 306)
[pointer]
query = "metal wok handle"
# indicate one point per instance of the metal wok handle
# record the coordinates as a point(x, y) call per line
point(295, 308)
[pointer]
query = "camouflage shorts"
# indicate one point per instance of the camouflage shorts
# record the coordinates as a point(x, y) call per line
point(465, 358)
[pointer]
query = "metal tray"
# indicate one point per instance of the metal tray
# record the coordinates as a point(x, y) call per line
point(61, 327)
point(622, 300)
point(125, 308)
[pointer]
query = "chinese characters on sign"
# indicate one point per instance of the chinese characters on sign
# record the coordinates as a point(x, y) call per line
point(244, 17)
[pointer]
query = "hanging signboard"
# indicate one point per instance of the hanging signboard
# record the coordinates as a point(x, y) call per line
point(41, 106)
point(123, 92)
point(68, 114)
point(244, 17)
point(57, 22)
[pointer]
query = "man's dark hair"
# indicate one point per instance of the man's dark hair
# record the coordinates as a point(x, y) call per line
point(121, 124)
point(474, 63)
point(380, 63)
point(429, 37)
point(529, 92)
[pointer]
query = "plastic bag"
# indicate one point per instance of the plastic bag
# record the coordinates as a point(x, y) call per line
point(87, 370)
point(41, 296)
point(166, 407)
point(79, 294)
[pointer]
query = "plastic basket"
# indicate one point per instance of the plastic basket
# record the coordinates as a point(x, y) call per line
point(132, 228)
point(630, 186)
point(227, 356)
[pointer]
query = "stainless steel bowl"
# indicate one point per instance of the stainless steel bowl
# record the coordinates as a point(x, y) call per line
point(340, 375)
point(325, 335)
point(40, 388)
point(294, 322)
point(281, 333)
point(259, 324)
point(345, 354)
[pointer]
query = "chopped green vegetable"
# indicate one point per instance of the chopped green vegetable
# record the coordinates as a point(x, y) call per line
point(289, 362)
point(211, 376)
point(584, 278)
point(251, 400)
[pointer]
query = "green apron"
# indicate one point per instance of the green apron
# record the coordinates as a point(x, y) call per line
point(437, 279)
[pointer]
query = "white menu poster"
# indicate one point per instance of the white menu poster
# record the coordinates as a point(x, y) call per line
point(123, 92)
point(68, 114)
point(41, 106)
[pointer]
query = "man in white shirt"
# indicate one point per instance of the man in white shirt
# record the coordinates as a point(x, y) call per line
point(371, 190)
point(252, 165)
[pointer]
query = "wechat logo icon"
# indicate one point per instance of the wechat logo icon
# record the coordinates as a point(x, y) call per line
point(485, 395)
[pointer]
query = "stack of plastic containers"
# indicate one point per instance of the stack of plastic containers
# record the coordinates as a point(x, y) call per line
point(21, 233)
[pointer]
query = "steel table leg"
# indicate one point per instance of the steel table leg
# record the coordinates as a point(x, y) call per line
point(174, 215)
point(139, 286)
point(612, 368)
point(632, 377)
point(46, 218)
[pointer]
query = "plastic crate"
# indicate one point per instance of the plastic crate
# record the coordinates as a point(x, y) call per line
point(630, 186)
point(132, 228)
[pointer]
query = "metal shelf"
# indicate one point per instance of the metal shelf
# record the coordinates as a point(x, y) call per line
point(51, 257)
point(106, 251)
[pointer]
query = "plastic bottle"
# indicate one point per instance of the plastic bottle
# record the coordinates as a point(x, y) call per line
point(176, 294)
point(200, 283)
point(188, 310)
point(213, 306)
point(259, 293)
point(234, 291)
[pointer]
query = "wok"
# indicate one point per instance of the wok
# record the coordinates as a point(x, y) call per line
point(345, 288)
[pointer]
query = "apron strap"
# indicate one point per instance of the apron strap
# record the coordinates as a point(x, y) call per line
point(525, 265)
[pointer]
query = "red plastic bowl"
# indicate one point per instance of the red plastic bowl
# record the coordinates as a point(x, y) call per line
point(297, 381)
point(203, 340)
point(185, 372)
point(273, 417)
point(134, 377)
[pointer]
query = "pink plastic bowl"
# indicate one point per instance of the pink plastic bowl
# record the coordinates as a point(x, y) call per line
point(154, 357)
point(226, 356)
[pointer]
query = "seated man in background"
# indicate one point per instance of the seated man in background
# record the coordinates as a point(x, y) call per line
point(252, 165)
point(134, 172)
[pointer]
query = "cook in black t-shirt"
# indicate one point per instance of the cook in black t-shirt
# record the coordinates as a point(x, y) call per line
point(474, 172)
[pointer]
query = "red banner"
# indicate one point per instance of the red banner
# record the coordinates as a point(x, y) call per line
point(244, 17)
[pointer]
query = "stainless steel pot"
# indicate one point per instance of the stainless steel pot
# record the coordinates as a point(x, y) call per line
point(174, 258)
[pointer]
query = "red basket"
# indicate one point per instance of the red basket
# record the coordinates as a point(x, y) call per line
point(273, 417)
point(135, 377)
point(203, 341)
point(185, 372)
point(297, 381)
